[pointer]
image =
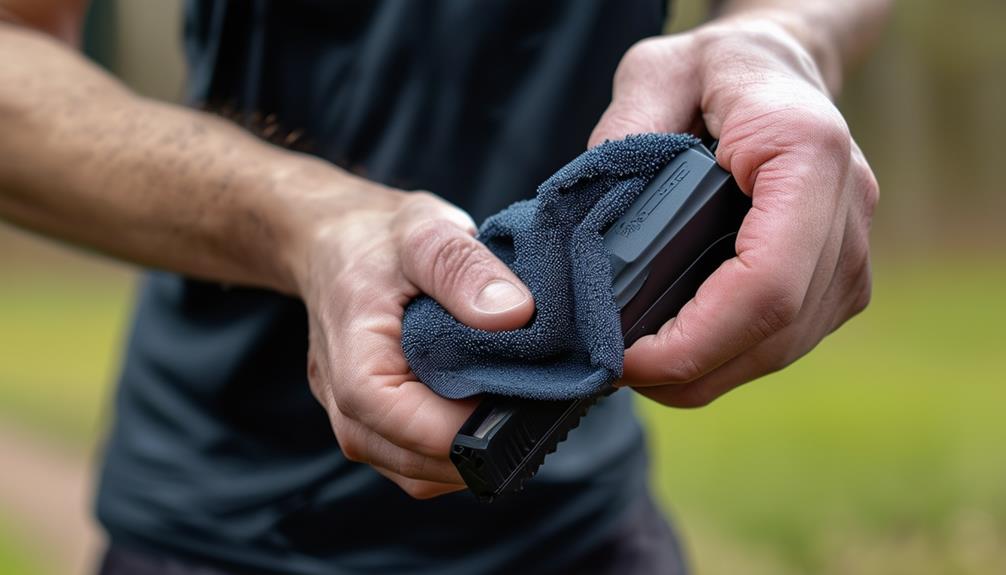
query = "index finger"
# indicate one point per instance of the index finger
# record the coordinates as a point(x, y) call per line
point(382, 394)
point(419, 420)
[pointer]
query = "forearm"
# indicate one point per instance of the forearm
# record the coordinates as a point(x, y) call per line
point(836, 34)
point(85, 160)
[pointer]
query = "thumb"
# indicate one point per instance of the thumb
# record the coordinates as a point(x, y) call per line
point(448, 264)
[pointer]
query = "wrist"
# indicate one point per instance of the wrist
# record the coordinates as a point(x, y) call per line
point(316, 209)
point(789, 36)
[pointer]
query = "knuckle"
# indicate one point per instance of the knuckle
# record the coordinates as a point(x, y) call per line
point(772, 319)
point(440, 256)
point(351, 448)
point(425, 197)
point(348, 400)
point(695, 396)
point(871, 192)
point(351, 451)
point(828, 128)
point(862, 299)
point(824, 122)
point(456, 259)
point(650, 63)
point(344, 401)
point(417, 445)
point(421, 202)
point(423, 238)
point(772, 362)
point(682, 369)
point(776, 308)
point(864, 283)
point(640, 52)
point(410, 465)
point(421, 490)
point(314, 379)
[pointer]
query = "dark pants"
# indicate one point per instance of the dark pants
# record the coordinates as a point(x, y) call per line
point(643, 545)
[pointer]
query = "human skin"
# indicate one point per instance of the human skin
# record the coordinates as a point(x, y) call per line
point(760, 79)
point(85, 161)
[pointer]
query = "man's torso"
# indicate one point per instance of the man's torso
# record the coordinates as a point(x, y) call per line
point(219, 451)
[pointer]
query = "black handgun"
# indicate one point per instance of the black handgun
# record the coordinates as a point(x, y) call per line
point(672, 237)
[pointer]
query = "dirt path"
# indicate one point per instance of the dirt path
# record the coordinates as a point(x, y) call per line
point(45, 496)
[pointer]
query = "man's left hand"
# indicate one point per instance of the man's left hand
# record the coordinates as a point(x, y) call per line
point(802, 267)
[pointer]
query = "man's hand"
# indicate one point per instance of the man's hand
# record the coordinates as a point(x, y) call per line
point(802, 265)
point(357, 274)
point(190, 193)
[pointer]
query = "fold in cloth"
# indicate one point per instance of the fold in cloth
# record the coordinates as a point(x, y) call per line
point(573, 346)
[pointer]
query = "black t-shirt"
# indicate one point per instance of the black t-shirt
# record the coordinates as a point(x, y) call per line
point(218, 450)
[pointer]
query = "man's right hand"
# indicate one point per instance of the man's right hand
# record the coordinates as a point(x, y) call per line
point(356, 273)
point(179, 190)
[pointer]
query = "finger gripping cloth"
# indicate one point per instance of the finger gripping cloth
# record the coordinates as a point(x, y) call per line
point(573, 345)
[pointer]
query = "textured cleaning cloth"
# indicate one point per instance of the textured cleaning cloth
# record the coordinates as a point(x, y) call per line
point(573, 347)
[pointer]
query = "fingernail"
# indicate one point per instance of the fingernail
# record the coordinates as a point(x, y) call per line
point(499, 296)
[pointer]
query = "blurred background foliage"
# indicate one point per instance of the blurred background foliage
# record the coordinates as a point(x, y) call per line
point(879, 453)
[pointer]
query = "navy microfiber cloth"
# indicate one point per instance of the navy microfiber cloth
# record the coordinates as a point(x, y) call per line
point(573, 346)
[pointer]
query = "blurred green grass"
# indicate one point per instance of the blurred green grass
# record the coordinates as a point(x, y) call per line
point(887, 439)
point(13, 559)
point(59, 347)
point(881, 452)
